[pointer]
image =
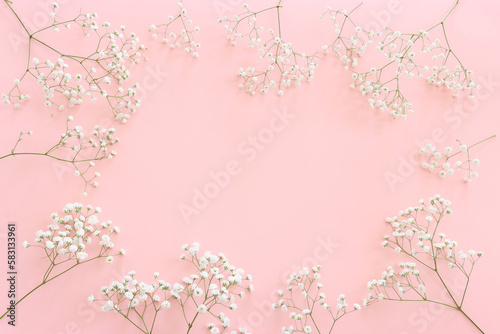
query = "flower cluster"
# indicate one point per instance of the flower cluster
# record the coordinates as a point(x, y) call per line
point(213, 287)
point(100, 74)
point(76, 149)
point(440, 161)
point(347, 46)
point(394, 285)
point(381, 84)
point(415, 234)
point(182, 39)
point(67, 237)
point(282, 66)
point(72, 239)
point(398, 48)
point(303, 296)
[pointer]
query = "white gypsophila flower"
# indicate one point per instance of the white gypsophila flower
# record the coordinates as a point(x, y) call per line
point(423, 221)
point(283, 66)
point(227, 283)
point(82, 256)
point(443, 163)
point(202, 308)
point(183, 37)
point(305, 284)
point(62, 87)
point(381, 84)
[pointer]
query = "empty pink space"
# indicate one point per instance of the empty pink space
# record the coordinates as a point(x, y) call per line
point(276, 183)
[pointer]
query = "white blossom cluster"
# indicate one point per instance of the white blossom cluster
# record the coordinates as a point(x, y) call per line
point(247, 18)
point(282, 66)
point(130, 294)
point(303, 296)
point(399, 50)
point(84, 152)
point(434, 160)
point(216, 285)
point(184, 38)
point(382, 84)
point(100, 74)
point(347, 47)
point(70, 237)
point(394, 285)
point(79, 150)
point(415, 234)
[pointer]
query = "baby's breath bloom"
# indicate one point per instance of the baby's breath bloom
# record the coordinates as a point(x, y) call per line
point(227, 281)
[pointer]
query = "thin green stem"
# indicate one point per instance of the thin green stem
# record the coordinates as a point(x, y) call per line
point(446, 16)
point(38, 286)
point(279, 21)
point(190, 324)
point(465, 314)
point(47, 155)
point(471, 146)
point(17, 16)
point(47, 280)
point(154, 319)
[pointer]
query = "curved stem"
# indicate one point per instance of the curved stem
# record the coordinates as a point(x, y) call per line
point(38, 286)
point(17, 16)
point(49, 280)
point(47, 155)
point(446, 16)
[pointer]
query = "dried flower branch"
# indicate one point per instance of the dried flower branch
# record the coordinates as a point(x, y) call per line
point(284, 66)
point(184, 37)
point(435, 160)
point(347, 46)
point(67, 242)
point(104, 66)
point(418, 238)
point(213, 287)
point(302, 297)
point(77, 150)
point(379, 83)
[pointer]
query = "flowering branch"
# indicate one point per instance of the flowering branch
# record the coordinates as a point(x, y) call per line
point(73, 149)
point(68, 247)
point(293, 67)
point(420, 240)
point(211, 288)
point(102, 67)
point(384, 91)
point(434, 159)
point(345, 47)
point(305, 285)
point(184, 38)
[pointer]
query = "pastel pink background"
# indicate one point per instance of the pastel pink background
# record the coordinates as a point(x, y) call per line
point(320, 180)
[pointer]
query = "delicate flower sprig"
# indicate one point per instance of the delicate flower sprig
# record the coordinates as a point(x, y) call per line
point(302, 297)
point(214, 287)
point(76, 149)
point(435, 160)
point(347, 46)
point(382, 84)
point(67, 242)
point(415, 234)
point(283, 66)
point(184, 37)
point(248, 18)
point(106, 66)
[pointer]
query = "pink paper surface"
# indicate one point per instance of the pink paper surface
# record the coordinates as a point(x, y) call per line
point(315, 190)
